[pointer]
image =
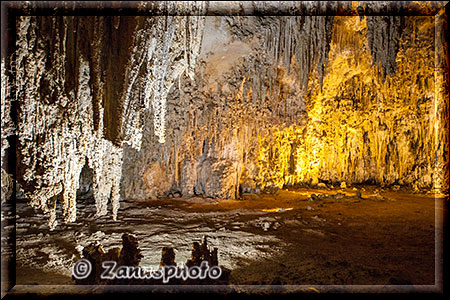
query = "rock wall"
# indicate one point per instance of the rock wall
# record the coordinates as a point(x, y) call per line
point(7, 126)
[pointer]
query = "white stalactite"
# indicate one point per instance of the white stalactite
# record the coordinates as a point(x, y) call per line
point(57, 138)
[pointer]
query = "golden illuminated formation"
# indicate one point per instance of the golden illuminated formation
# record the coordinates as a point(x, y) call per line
point(362, 127)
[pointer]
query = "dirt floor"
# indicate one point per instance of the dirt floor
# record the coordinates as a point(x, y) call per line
point(319, 237)
point(370, 240)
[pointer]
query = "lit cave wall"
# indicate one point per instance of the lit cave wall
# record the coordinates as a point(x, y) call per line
point(197, 104)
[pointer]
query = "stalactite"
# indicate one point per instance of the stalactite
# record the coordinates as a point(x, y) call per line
point(56, 138)
point(307, 37)
point(163, 67)
point(218, 122)
point(383, 34)
point(77, 105)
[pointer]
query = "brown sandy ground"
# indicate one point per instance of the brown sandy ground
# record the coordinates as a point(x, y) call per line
point(382, 238)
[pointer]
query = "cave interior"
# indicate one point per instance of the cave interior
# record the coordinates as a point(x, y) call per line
point(307, 141)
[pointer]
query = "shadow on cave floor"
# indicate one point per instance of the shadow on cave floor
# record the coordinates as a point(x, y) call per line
point(364, 236)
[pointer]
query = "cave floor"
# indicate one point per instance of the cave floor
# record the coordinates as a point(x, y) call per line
point(292, 237)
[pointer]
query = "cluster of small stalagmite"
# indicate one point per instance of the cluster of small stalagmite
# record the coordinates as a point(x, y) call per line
point(126, 261)
point(220, 105)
